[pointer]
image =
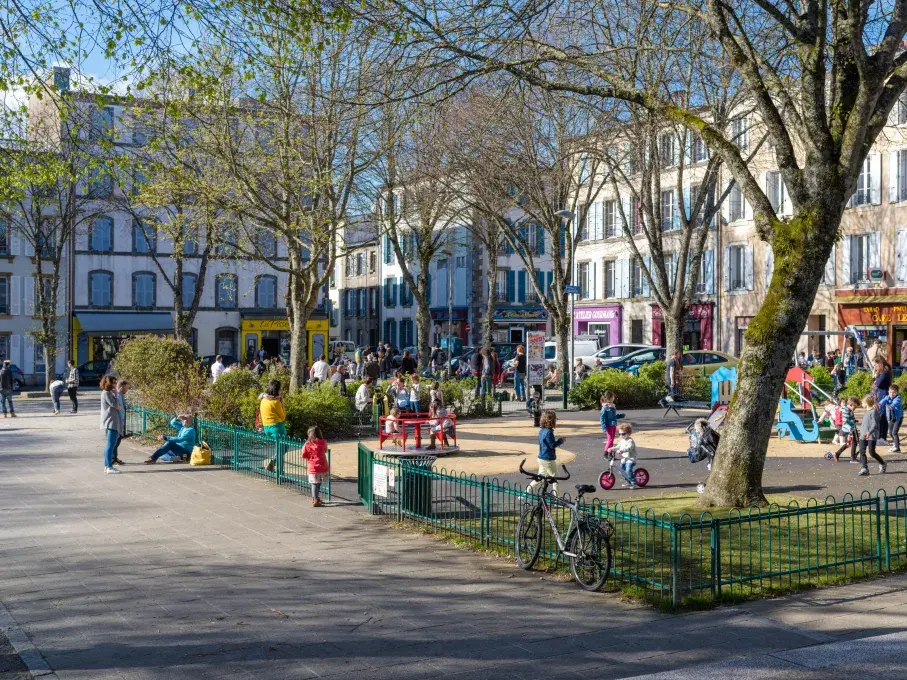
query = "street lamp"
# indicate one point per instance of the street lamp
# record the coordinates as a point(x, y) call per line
point(568, 216)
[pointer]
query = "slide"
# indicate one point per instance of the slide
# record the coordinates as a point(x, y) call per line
point(791, 425)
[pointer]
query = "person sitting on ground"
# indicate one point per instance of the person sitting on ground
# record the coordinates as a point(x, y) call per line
point(177, 449)
point(364, 395)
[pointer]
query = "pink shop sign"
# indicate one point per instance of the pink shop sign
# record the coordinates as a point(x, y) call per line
point(598, 314)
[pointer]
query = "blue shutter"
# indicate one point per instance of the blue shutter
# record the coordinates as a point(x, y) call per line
point(511, 286)
point(521, 286)
point(394, 293)
point(563, 238)
point(539, 239)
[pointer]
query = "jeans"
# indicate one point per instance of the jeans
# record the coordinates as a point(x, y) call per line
point(487, 385)
point(519, 385)
point(626, 471)
point(110, 450)
point(852, 445)
point(871, 445)
point(55, 395)
point(894, 427)
point(6, 397)
point(73, 397)
point(169, 447)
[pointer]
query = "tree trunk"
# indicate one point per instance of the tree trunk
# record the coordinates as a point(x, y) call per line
point(50, 360)
point(488, 324)
point(423, 327)
point(299, 344)
point(672, 329)
point(562, 333)
point(802, 246)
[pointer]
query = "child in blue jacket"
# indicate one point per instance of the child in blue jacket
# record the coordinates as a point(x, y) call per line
point(548, 450)
point(608, 418)
point(894, 409)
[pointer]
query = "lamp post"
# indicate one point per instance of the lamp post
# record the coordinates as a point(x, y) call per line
point(568, 216)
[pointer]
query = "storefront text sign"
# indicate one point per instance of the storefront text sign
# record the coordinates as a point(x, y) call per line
point(598, 314)
point(894, 314)
point(529, 314)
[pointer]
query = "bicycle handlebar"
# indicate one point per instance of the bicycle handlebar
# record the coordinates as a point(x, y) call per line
point(540, 478)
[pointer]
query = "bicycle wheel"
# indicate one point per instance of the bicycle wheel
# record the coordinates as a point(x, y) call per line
point(529, 537)
point(591, 562)
point(641, 475)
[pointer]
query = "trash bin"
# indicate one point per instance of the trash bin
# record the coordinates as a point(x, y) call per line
point(417, 485)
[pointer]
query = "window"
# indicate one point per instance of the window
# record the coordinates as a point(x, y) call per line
point(863, 194)
point(361, 309)
point(585, 281)
point(736, 267)
point(138, 180)
point(139, 135)
point(860, 258)
point(667, 210)
point(100, 237)
point(100, 289)
point(735, 203)
point(266, 292)
point(461, 261)
point(701, 275)
point(372, 262)
point(390, 292)
point(776, 190)
point(373, 302)
point(226, 342)
point(900, 110)
point(897, 181)
point(670, 273)
point(190, 245)
point(406, 293)
point(226, 291)
point(740, 132)
point(143, 285)
point(348, 267)
point(666, 151)
point(4, 294)
point(143, 238)
point(188, 292)
point(636, 279)
point(700, 151)
point(227, 246)
point(4, 238)
point(47, 238)
point(347, 300)
point(611, 218)
point(610, 278)
point(100, 183)
point(266, 242)
point(40, 366)
point(388, 250)
point(101, 123)
point(500, 285)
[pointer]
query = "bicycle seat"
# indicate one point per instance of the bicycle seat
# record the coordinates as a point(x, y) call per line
point(585, 488)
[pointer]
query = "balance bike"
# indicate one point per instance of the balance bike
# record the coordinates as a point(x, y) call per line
point(607, 478)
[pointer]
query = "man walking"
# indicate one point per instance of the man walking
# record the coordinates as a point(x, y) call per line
point(6, 388)
point(217, 368)
point(475, 365)
point(72, 385)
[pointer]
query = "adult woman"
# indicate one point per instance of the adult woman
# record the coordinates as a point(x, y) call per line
point(364, 395)
point(112, 422)
point(519, 373)
point(881, 381)
point(273, 415)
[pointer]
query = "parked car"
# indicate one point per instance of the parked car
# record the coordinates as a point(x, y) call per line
point(707, 361)
point(91, 372)
point(398, 358)
point(631, 362)
point(18, 377)
point(613, 352)
point(349, 348)
point(581, 348)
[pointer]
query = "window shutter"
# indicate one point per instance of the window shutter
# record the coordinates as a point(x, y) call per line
point(726, 269)
point(593, 281)
point(14, 244)
point(875, 249)
point(394, 292)
point(539, 239)
point(27, 248)
point(521, 286)
point(845, 261)
point(28, 356)
point(829, 278)
point(708, 267)
point(772, 190)
point(769, 262)
point(540, 280)
point(687, 147)
point(29, 296)
point(901, 256)
point(875, 178)
point(647, 261)
point(893, 176)
point(747, 210)
point(675, 258)
point(15, 295)
point(14, 350)
point(748, 266)
point(511, 285)
point(549, 278)
point(624, 277)
point(726, 205)
point(626, 222)
point(675, 212)
point(687, 208)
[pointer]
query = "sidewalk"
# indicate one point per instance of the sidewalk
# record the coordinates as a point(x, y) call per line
point(177, 572)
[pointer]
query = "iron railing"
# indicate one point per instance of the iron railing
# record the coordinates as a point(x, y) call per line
point(738, 555)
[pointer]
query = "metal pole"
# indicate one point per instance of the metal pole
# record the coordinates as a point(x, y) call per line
point(572, 337)
point(449, 313)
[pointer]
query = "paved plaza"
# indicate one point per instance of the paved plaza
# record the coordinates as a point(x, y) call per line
point(176, 572)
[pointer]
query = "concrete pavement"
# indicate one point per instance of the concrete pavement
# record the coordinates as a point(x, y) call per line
point(177, 572)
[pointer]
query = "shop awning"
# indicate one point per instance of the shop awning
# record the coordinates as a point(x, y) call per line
point(871, 299)
point(116, 323)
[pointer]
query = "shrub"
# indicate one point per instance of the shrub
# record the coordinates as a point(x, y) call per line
point(226, 395)
point(279, 373)
point(323, 406)
point(822, 377)
point(629, 391)
point(858, 385)
point(163, 373)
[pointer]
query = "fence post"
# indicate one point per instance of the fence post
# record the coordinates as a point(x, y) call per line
point(886, 542)
point(328, 484)
point(484, 510)
point(235, 449)
point(566, 384)
point(716, 559)
point(675, 567)
point(278, 458)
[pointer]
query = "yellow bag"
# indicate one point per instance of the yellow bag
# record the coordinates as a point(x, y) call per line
point(201, 455)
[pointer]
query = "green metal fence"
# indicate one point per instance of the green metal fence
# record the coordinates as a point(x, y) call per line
point(740, 554)
point(275, 459)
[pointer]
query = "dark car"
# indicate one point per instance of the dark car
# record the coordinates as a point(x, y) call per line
point(91, 372)
point(206, 361)
point(18, 377)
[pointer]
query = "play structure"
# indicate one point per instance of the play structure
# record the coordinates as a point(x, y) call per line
point(411, 433)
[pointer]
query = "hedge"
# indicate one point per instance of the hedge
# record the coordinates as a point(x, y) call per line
point(635, 391)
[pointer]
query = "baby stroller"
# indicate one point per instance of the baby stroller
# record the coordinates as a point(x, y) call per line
point(703, 442)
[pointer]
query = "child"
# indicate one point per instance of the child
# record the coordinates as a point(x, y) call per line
point(436, 394)
point(547, 450)
point(315, 452)
point(401, 394)
point(869, 435)
point(894, 409)
point(534, 405)
point(608, 417)
point(414, 394)
point(626, 447)
point(391, 426)
point(848, 430)
point(434, 425)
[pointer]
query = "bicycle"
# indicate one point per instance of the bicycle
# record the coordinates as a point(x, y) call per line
point(607, 478)
point(587, 546)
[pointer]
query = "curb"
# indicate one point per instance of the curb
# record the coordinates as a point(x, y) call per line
point(20, 641)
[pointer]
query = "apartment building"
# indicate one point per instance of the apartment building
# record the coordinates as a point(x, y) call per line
point(359, 311)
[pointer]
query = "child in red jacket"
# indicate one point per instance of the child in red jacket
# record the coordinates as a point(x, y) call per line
point(315, 452)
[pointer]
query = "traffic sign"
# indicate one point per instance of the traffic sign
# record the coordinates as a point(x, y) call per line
point(468, 328)
point(571, 290)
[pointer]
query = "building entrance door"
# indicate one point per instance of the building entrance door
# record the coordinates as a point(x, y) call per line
point(516, 334)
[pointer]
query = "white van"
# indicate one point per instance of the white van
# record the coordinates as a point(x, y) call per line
point(349, 348)
point(581, 348)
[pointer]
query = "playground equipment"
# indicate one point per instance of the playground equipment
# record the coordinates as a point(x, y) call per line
point(404, 435)
point(790, 420)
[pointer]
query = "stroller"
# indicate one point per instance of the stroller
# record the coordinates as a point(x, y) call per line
point(703, 442)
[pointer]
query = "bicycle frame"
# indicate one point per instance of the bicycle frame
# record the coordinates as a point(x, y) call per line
point(574, 516)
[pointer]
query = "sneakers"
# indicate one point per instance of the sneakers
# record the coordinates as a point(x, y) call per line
point(118, 462)
point(625, 485)
point(150, 461)
point(112, 471)
point(881, 441)
point(863, 472)
point(56, 412)
point(882, 468)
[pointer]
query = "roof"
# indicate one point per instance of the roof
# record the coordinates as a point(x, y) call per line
point(100, 323)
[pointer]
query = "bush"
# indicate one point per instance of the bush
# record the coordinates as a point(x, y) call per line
point(822, 377)
point(629, 391)
point(323, 406)
point(279, 373)
point(226, 395)
point(858, 385)
point(163, 373)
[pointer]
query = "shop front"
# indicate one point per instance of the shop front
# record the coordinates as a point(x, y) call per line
point(881, 321)
point(443, 322)
point(96, 336)
point(605, 321)
point(272, 333)
point(697, 327)
point(511, 324)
